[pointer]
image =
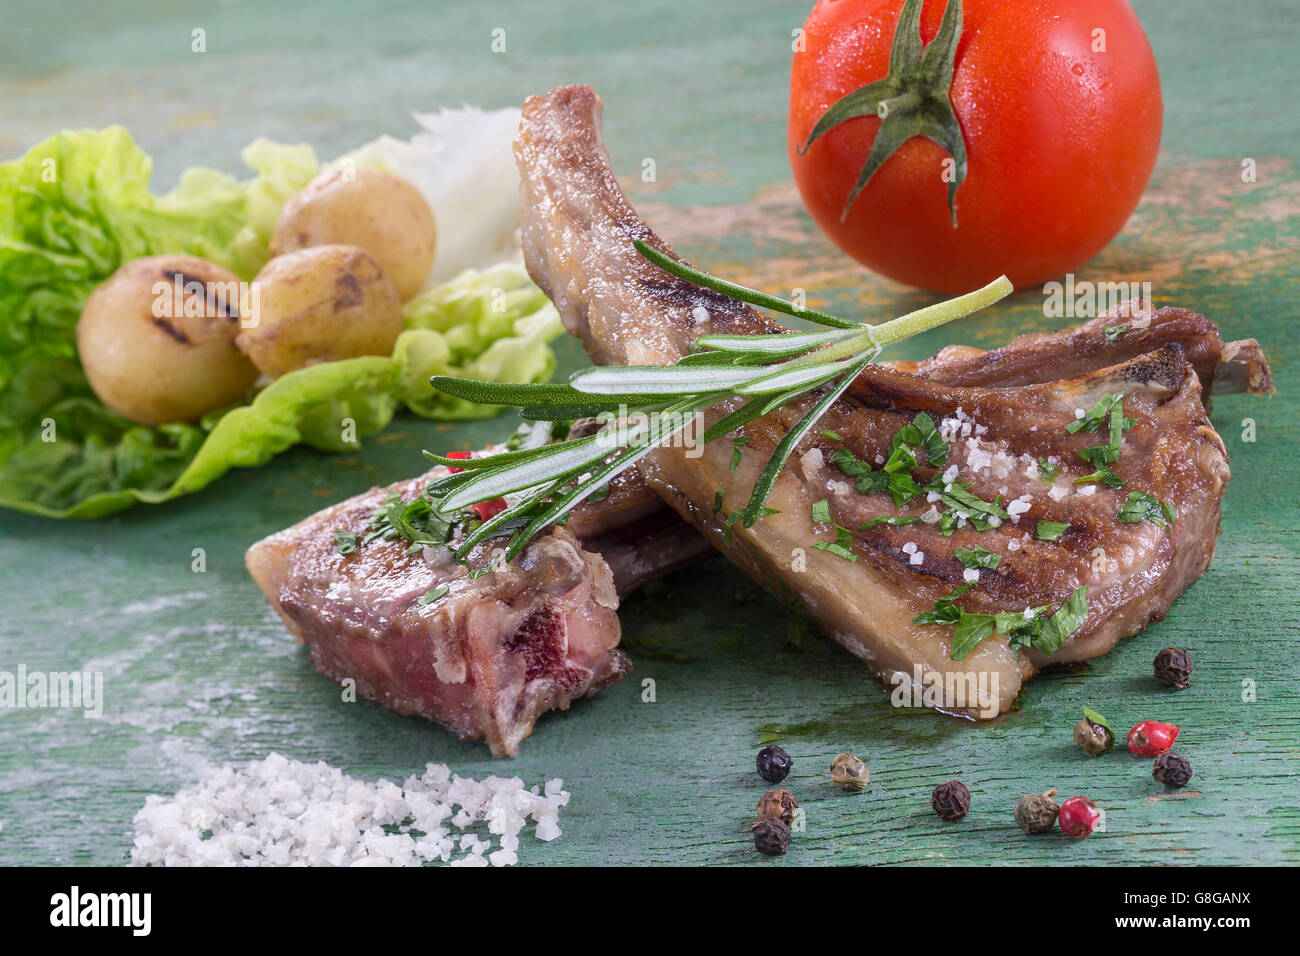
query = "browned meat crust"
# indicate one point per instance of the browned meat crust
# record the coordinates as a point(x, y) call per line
point(1047, 356)
point(578, 231)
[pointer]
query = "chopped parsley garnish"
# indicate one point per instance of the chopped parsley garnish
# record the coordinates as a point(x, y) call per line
point(1051, 530)
point(841, 547)
point(1099, 455)
point(978, 557)
point(1096, 415)
point(872, 482)
point(735, 451)
point(1104, 474)
point(903, 488)
point(431, 595)
point(892, 520)
point(1140, 506)
point(728, 522)
point(1113, 332)
point(1111, 410)
point(1097, 718)
point(718, 497)
point(945, 611)
point(1047, 471)
point(417, 522)
point(961, 506)
point(849, 463)
point(923, 432)
point(901, 459)
point(738, 515)
point(1046, 633)
point(895, 475)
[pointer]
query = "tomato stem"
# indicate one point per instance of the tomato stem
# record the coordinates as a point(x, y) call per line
point(904, 102)
point(912, 99)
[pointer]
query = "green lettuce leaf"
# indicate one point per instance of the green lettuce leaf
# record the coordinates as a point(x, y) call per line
point(78, 205)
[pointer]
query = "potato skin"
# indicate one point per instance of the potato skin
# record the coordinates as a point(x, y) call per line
point(156, 357)
point(317, 305)
point(383, 214)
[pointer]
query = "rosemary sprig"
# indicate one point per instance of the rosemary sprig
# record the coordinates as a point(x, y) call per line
point(644, 407)
point(752, 296)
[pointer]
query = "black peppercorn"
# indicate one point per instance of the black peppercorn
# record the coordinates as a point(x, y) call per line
point(773, 763)
point(771, 837)
point(1174, 667)
point(951, 800)
point(777, 805)
point(1036, 812)
point(1171, 769)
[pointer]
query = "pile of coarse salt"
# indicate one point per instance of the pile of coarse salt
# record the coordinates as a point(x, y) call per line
point(282, 812)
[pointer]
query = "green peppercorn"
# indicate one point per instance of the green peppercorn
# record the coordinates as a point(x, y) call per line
point(1036, 812)
point(1173, 667)
point(1093, 739)
point(849, 773)
point(951, 800)
point(777, 805)
point(1171, 769)
point(771, 837)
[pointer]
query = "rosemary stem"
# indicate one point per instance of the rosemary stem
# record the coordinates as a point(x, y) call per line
point(941, 313)
point(877, 337)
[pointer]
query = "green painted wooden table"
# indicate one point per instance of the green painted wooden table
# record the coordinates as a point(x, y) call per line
point(197, 668)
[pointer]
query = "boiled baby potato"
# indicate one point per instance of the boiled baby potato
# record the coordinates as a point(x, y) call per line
point(381, 213)
point(157, 340)
point(317, 305)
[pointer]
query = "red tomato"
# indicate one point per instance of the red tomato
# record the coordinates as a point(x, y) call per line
point(1061, 124)
point(488, 509)
point(457, 454)
point(484, 509)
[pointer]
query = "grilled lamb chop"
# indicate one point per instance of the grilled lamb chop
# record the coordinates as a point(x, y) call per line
point(1051, 356)
point(577, 232)
point(485, 660)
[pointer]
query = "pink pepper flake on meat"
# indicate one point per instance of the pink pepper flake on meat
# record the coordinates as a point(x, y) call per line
point(484, 509)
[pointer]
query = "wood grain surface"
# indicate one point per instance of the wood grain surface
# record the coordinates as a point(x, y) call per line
point(198, 669)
